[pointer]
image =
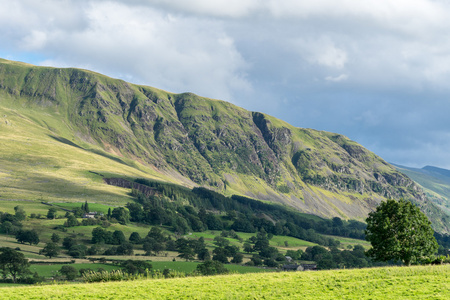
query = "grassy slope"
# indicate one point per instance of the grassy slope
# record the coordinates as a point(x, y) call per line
point(436, 184)
point(56, 125)
point(35, 166)
point(424, 282)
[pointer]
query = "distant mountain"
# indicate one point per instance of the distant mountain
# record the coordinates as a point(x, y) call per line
point(435, 182)
point(60, 127)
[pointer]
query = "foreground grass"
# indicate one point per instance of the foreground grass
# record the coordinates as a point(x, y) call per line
point(421, 282)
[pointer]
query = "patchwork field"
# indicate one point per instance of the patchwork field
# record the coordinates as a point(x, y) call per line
point(421, 282)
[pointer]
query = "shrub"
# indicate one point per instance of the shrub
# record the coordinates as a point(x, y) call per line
point(69, 271)
point(211, 267)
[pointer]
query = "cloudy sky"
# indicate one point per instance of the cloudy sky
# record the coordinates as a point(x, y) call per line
point(377, 71)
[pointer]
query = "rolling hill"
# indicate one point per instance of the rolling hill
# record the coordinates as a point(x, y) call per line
point(60, 128)
point(435, 182)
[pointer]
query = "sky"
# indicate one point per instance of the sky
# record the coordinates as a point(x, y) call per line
point(376, 71)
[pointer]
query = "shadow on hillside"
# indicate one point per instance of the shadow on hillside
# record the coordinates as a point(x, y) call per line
point(65, 141)
point(109, 156)
point(51, 186)
point(95, 151)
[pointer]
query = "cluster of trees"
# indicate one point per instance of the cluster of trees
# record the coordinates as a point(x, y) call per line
point(102, 236)
point(210, 200)
point(12, 223)
point(27, 236)
point(168, 207)
point(334, 258)
point(443, 241)
point(265, 254)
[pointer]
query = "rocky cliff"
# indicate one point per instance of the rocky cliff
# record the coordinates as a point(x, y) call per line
point(200, 141)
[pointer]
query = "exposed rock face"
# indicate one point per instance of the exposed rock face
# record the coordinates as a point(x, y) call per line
point(216, 144)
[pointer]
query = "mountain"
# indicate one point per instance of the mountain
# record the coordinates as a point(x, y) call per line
point(434, 181)
point(62, 127)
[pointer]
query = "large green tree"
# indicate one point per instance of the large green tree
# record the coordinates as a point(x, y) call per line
point(13, 263)
point(399, 230)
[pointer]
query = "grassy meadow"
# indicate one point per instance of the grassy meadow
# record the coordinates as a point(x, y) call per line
point(418, 282)
point(189, 266)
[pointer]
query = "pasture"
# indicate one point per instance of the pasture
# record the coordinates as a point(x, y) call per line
point(418, 282)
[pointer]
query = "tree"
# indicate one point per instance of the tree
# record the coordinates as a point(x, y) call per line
point(204, 254)
point(69, 271)
point(125, 249)
point(186, 252)
point(135, 238)
point(221, 241)
point(68, 242)
point(7, 227)
point(100, 236)
point(211, 267)
point(220, 254)
point(152, 246)
point(237, 258)
point(399, 230)
point(50, 250)
point(121, 214)
point(13, 262)
point(78, 251)
point(248, 248)
point(118, 238)
point(55, 238)
point(27, 236)
point(136, 266)
point(51, 214)
point(71, 221)
point(19, 213)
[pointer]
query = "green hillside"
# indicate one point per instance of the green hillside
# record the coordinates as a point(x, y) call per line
point(435, 182)
point(59, 128)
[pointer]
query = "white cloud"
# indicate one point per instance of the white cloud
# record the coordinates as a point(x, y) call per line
point(36, 40)
point(216, 8)
point(141, 44)
point(253, 51)
point(339, 78)
point(331, 57)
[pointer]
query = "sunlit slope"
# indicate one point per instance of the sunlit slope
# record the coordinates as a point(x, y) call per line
point(435, 182)
point(36, 165)
point(76, 121)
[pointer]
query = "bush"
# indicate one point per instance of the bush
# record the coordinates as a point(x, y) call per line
point(119, 275)
point(69, 271)
point(211, 267)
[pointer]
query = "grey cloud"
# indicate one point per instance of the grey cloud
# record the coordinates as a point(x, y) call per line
point(376, 71)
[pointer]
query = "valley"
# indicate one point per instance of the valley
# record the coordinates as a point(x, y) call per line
point(238, 187)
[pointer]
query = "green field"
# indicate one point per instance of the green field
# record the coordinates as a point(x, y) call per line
point(51, 270)
point(276, 241)
point(101, 208)
point(188, 267)
point(345, 242)
point(421, 282)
